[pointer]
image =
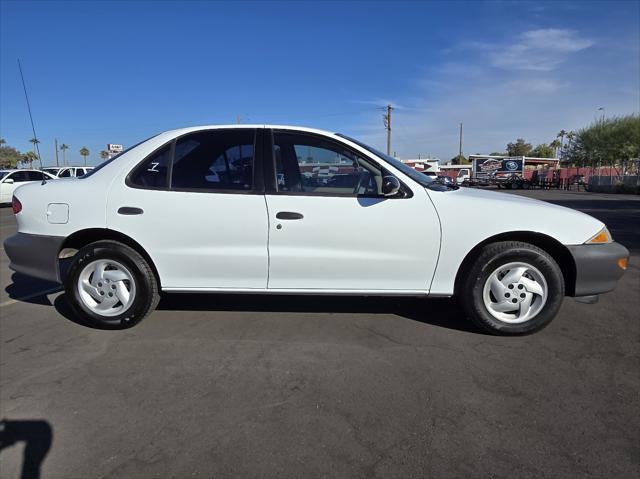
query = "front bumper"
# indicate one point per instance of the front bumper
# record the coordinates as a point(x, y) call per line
point(597, 269)
point(34, 255)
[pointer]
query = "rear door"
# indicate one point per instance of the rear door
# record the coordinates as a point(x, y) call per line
point(197, 207)
point(331, 229)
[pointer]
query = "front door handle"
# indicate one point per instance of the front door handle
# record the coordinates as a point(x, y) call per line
point(289, 215)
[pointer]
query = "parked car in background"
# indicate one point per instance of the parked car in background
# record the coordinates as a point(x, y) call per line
point(444, 179)
point(67, 171)
point(11, 179)
point(277, 209)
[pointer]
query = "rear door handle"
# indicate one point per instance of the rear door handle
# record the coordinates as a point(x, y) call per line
point(129, 210)
point(289, 215)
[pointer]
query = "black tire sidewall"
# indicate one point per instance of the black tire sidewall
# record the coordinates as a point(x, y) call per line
point(133, 262)
point(490, 260)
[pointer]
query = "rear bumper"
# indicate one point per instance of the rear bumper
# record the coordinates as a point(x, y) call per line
point(34, 255)
point(597, 269)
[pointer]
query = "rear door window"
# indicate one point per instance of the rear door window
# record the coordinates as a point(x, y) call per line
point(214, 160)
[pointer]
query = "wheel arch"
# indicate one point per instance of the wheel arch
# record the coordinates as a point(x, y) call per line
point(553, 247)
point(81, 238)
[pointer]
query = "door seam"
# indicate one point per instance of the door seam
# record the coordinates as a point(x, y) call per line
point(266, 204)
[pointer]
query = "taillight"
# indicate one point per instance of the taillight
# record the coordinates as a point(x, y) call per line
point(16, 205)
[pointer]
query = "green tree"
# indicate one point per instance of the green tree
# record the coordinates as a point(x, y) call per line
point(543, 151)
point(64, 147)
point(84, 152)
point(9, 156)
point(29, 157)
point(459, 160)
point(104, 154)
point(555, 144)
point(519, 148)
point(499, 153)
point(610, 142)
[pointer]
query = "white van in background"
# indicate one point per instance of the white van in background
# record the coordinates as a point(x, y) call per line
point(67, 171)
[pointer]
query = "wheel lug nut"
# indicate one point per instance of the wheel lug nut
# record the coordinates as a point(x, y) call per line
point(506, 295)
point(99, 285)
point(510, 286)
point(522, 295)
point(113, 286)
point(110, 294)
point(102, 293)
point(520, 286)
point(514, 300)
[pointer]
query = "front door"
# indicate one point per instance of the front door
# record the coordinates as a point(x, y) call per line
point(331, 229)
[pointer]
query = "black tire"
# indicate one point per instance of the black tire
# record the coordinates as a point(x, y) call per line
point(147, 290)
point(491, 257)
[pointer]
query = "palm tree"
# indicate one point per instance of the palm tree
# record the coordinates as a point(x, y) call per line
point(64, 147)
point(35, 141)
point(555, 144)
point(84, 152)
point(104, 154)
point(3, 142)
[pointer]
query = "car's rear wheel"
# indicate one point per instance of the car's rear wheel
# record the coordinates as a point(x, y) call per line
point(512, 288)
point(111, 286)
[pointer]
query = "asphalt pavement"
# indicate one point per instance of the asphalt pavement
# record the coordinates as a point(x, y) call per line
point(281, 386)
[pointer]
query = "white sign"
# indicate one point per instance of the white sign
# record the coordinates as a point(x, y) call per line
point(113, 148)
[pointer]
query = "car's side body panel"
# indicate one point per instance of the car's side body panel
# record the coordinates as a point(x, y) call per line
point(353, 243)
point(196, 240)
point(492, 216)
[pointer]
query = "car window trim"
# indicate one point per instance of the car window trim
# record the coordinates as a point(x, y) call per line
point(258, 176)
point(271, 181)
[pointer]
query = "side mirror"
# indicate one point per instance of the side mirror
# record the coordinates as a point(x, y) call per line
point(390, 186)
point(9, 181)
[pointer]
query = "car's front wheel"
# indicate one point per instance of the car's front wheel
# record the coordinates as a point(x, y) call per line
point(512, 288)
point(110, 285)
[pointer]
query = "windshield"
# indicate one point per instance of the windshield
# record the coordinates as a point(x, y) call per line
point(416, 176)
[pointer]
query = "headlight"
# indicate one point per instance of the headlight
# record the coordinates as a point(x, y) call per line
point(601, 237)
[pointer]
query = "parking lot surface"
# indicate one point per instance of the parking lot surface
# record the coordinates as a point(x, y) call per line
point(282, 386)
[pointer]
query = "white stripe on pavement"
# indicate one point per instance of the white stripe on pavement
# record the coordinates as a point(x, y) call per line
point(29, 296)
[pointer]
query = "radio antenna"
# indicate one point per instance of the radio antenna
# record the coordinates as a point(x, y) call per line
point(33, 128)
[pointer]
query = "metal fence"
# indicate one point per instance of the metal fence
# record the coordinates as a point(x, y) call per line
point(614, 184)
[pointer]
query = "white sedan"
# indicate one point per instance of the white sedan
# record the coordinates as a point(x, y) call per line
point(276, 209)
point(11, 179)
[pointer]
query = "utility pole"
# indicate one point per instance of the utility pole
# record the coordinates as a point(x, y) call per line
point(387, 124)
point(56, 142)
point(238, 119)
point(460, 150)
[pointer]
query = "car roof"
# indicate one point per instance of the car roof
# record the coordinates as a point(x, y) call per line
point(180, 131)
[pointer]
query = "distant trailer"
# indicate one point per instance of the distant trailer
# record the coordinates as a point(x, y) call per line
point(507, 171)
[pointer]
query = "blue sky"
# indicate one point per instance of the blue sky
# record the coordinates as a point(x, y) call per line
point(101, 72)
